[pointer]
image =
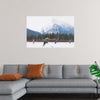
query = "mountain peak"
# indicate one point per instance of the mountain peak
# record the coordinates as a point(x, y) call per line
point(56, 28)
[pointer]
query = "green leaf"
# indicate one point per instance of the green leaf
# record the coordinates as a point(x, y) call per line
point(98, 75)
point(93, 67)
point(95, 72)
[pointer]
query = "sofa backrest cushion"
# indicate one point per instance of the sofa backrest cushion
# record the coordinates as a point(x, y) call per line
point(70, 71)
point(10, 68)
point(54, 71)
point(23, 69)
point(84, 71)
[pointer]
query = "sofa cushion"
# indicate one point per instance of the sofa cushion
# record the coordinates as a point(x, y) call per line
point(61, 83)
point(10, 68)
point(62, 90)
point(84, 72)
point(70, 71)
point(15, 96)
point(10, 87)
point(22, 69)
point(54, 71)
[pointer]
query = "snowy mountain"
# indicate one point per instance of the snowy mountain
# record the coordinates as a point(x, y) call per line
point(31, 32)
point(55, 28)
point(63, 28)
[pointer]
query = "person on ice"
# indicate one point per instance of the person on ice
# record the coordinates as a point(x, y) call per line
point(33, 41)
point(55, 41)
point(69, 41)
point(45, 41)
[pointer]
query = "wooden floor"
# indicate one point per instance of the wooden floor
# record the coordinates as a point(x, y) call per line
point(59, 97)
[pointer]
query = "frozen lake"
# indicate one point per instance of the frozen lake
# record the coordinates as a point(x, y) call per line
point(50, 45)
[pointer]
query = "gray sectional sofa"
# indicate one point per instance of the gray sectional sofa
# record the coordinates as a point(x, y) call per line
point(59, 79)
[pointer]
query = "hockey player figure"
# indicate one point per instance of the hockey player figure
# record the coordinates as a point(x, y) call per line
point(45, 41)
point(33, 41)
point(69, 41)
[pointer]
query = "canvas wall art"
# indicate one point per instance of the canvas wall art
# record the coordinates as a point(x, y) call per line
point(50, 32)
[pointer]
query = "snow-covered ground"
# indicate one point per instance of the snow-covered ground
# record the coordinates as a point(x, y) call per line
point(50, 45)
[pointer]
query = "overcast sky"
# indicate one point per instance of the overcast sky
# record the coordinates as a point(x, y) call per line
point(36, 23)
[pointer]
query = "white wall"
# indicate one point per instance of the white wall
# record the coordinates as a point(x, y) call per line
point(13, 31)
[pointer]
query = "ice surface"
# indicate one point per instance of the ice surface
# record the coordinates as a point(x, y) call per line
point(50, 45)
